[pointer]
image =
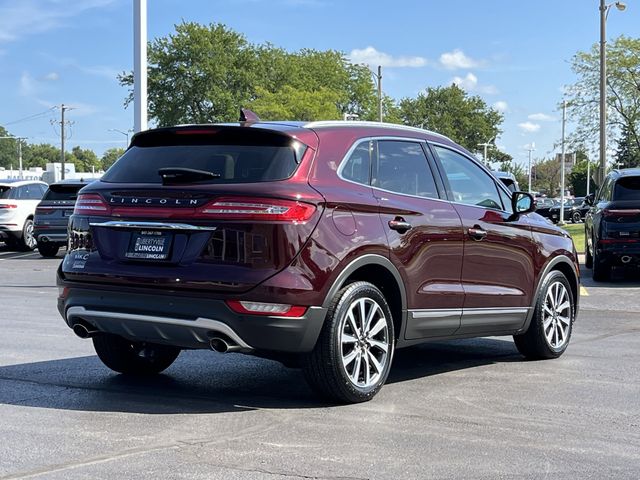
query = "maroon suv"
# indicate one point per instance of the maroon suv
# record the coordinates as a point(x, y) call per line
point(325, 244)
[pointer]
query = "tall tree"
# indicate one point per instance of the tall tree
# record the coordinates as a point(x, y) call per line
point(40, 154)
point(84, 159)
point(467, 120)
point(8, 150)
point(203, 74)
point(623, 88)
point(110, 156)
point(577, 179)
point(628, 153)
point(547, 177)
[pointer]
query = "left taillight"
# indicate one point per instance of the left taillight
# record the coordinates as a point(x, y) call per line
point(91, 204)
point(8, 205)
point(259, 209)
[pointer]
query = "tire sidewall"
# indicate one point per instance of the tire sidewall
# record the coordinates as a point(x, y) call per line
point(551, 279)
point(339, 317)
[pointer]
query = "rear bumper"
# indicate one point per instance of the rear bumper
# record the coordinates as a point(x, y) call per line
point(615, 253)
point(50, 235)
point(185, 321)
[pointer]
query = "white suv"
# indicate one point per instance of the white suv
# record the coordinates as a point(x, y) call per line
point(18, 201)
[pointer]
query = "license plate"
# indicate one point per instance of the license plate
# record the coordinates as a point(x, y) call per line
point(149, 245)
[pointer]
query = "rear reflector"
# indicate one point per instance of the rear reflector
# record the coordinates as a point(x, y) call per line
point(259, 308)
point(618, 240)
point(91, 204)
point(260, 209)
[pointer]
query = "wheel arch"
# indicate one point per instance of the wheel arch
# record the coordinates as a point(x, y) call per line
point(379, 271)
point(565, 265)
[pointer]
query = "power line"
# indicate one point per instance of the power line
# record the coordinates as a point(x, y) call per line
point(31, 117)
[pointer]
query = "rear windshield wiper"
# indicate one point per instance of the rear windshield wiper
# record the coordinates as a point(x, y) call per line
point(173, 175)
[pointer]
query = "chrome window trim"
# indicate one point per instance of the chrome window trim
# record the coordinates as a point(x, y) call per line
point(383, 138)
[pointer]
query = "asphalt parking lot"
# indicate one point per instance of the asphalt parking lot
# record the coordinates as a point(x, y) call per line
point(463, 409)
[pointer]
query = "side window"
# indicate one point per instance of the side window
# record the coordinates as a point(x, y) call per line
point(469, 183)
point(358, 166)
point(402, 167)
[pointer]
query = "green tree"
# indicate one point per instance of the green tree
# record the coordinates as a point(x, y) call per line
point(84, 159)
point(546, 177)
point(467, 120)
point(39, 155)
point(204, 74)
point(623, 88)
point(110, 156)
point(8, 150)
point(628, 153)
point(577, 179)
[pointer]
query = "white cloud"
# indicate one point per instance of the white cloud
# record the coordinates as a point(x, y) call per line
point(457, 59)
point(27, 86)
point(501, 106)
point(470, 84)
point(100, 71)
point(529, 127)
point(28, 17)
point(371, 56)
point(541, 117)
point(51, 76)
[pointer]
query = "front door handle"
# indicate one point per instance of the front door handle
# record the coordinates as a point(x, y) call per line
point(399, 224)
point(477, 233)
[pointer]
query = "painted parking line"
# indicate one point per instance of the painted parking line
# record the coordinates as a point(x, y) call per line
point(583, 292)
point(12, 257)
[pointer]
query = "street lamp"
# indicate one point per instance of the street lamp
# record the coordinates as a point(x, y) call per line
point(531, 148)
point(126, 134)
point(486, 145)
point(378, 79)
point(604, 13)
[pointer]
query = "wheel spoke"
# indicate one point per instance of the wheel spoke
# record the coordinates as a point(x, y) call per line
point(346, 338)
point(560, 334)
point(547, 310)
point(362, 315)
point(564, 305)
point(380, 345)
point(367, 369)
point(356, 371)
point(547, 322)
point(377, 328)
point(367, 325)
point(376, 364)
point(549, 335)
point(347, 359)
point(564, 320)
point(353, 323)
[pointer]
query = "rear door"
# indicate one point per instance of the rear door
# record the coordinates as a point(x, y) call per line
point(424, 233)
point(498, 268)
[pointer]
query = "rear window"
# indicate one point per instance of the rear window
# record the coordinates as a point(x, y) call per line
point(62, 192)
point(5, 192)
point(627, 188)
point(267, 159)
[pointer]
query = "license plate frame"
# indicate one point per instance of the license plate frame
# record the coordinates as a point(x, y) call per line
point(149, 245)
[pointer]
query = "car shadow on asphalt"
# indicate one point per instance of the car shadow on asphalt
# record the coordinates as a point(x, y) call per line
point(207, 382)
point(621, 277)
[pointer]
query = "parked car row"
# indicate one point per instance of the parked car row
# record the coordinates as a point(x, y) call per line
point(35, 215)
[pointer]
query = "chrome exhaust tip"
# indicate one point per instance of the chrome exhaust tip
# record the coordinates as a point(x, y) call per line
point(625, 259)
point(219, 345)
point(83, 331)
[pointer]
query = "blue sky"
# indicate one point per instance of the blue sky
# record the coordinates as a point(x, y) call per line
point(514, 54)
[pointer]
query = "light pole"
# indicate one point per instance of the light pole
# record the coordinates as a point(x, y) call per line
point(19, 139)
point(604, 13)
point(485, 145)
point(139, 65)
point(532, 148)
point(126, 134)
point(378, 79)
point(564, 119)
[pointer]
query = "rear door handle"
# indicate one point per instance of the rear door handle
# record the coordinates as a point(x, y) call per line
point(477, 233)
point(399, 224)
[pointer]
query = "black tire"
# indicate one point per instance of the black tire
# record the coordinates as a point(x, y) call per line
point(323, 367)
point(48, 250)
point(601, 269)
point(588, 258)
point(534, 343)
point(27, 242)
point(12, 243)
point(576, 217)
point(133, 358)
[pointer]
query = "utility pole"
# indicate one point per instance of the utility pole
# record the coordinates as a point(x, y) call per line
point(562, 156)
point(532, 148)
point(139, 65)
point(588, 175)
point(62, 123)
point(380, 93)
point(19, 139)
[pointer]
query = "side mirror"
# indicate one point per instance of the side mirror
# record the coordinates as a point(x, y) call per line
point(589, 199)
point(522, 202)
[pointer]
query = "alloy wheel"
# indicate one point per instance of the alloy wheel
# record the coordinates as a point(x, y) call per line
point(29, 239)
point(557, 313)
point(364, 342)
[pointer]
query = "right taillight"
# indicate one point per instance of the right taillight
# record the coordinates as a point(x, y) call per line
point(258, 209)
point(91, 204)
point(620, 213)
